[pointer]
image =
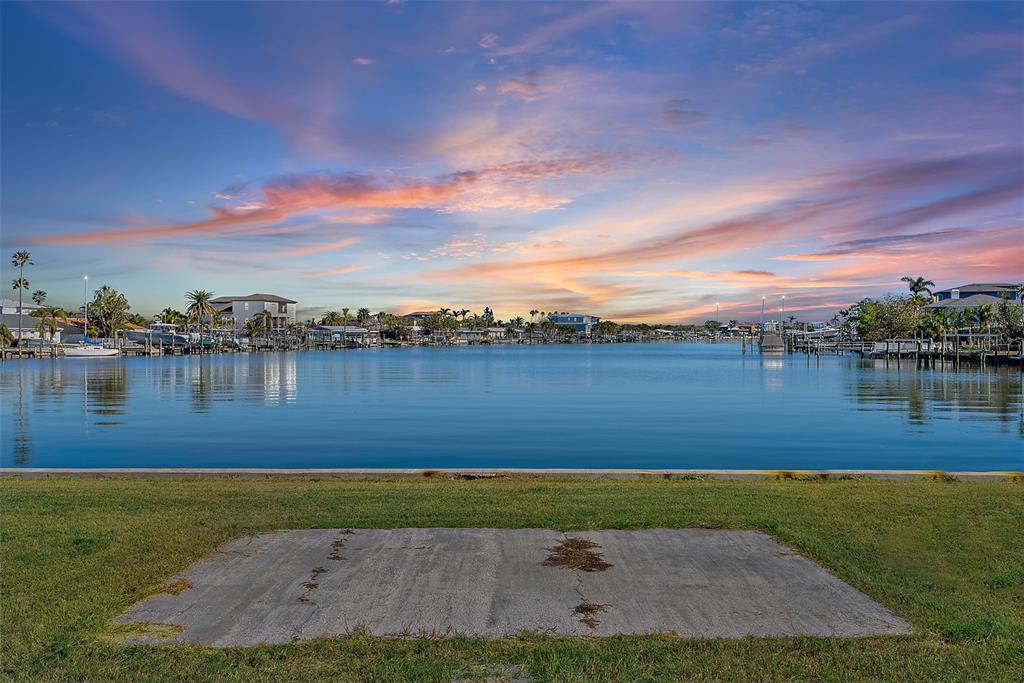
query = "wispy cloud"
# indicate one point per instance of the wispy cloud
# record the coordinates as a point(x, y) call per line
point(513, 185)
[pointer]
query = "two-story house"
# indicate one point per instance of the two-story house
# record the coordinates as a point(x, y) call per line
point(582, 322)
point(240, 309)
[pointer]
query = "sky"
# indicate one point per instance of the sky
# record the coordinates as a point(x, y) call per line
point(641, 162)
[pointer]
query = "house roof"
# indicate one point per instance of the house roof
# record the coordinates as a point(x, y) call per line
point(983, 287)
point(11, 321)
point(272, 298)
point(13, 303)
point(972, 301)
point(421, 313)
point(347, 329)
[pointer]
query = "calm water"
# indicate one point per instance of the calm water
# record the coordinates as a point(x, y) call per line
point(631, 405)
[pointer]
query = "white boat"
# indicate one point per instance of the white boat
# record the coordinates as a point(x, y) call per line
point(90, 351)
point(85, 350)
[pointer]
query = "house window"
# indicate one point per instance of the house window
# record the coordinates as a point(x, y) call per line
point(282, 308)
point(246, 305)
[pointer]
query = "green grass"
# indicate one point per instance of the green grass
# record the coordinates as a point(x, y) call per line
point(947, 556)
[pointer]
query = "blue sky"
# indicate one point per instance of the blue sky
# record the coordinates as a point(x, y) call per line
point(637, 161)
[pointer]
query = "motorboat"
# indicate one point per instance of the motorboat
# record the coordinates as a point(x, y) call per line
point(90, 351)
point(165, 334)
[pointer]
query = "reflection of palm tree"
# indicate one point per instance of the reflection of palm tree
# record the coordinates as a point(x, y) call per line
point(22, 440)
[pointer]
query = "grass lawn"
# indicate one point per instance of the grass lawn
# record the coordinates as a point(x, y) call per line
point(947, 556)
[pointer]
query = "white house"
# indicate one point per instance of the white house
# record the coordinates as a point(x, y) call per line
point(28, 326)
point(241, 309)
point(10, 307)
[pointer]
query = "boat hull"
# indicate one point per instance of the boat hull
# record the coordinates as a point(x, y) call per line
point(90, 352)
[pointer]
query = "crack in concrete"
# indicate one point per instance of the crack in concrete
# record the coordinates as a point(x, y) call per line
point(567, 554)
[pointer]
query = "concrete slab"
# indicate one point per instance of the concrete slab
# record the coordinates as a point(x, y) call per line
point(701, 583)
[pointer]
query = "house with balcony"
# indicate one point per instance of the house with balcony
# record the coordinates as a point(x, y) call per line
point(582, 322)
point(241, 309)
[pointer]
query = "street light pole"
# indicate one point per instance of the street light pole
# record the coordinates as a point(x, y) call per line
point(85, 299)
point(760, 322)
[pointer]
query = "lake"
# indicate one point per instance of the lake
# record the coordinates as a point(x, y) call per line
point(615, 405)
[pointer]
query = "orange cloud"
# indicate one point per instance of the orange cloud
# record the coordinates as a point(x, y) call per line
point(513, 185)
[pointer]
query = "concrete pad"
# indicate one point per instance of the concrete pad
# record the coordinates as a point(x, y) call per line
point(700, 583)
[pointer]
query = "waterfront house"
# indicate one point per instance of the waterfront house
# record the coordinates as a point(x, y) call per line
point(349, 334)
point(419, 316)
point(487, 335)
point(974, 295)
point(240, 309)
point(582, 322)
point(27, 328)
point(10, 307)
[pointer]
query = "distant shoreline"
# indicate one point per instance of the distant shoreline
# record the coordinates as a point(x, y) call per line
point(470, 473)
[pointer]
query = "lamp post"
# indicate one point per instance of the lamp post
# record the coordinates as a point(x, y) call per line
point(85, 299)
point(760, 322)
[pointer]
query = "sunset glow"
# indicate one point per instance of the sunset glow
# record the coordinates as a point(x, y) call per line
point(636, 161)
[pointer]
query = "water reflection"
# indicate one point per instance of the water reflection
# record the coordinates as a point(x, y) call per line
point(927, 395)
point(614, 406)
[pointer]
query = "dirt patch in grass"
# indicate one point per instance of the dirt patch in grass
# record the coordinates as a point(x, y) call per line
point(587, 610)
point(577, 553)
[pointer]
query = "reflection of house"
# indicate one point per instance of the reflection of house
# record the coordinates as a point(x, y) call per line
point(974, 295)
point(241, 309)
point(583, 323)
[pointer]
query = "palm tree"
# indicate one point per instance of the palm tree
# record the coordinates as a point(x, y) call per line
point(344, 316)
point(6, 338)
point(254, 327)
point(266, 320)
point(38, 297)
point(171, 316)
point(109, 309)
point(363, 316)
point(533, 313)
point(49, 317)
point(984, 316)
point(200, 306)
point(19, 261)
point(331, 318)
point(916, 285)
